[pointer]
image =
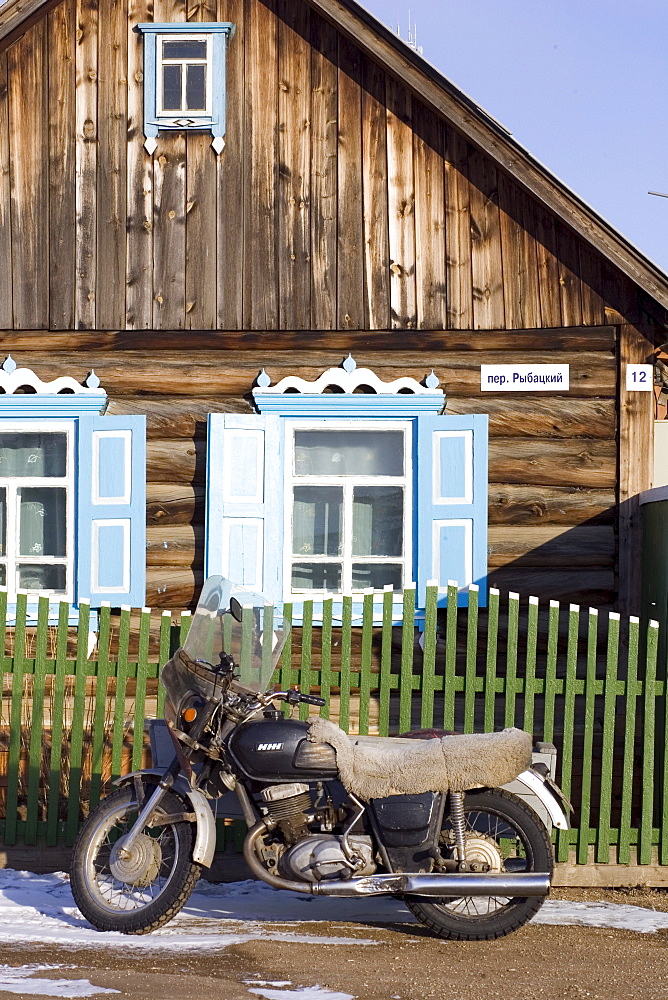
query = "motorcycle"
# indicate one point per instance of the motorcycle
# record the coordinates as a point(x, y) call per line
point(327, 814)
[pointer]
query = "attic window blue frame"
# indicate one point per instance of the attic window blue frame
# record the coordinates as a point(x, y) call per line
point(184, 79)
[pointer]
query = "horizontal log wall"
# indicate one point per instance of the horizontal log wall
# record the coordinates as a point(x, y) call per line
point(339, 202)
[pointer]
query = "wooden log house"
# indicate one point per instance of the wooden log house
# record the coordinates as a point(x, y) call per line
point(246, 185)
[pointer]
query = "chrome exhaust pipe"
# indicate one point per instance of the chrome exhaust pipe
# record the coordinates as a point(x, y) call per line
point(453, 884)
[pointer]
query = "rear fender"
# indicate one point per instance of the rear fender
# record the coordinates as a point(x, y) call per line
point(205, 838)
point(535, 783)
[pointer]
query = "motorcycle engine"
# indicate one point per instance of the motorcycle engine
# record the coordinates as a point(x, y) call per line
point(310, 857)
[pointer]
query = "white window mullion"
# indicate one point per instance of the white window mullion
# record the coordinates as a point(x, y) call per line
point(347, 546)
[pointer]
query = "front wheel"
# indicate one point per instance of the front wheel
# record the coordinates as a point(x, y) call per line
point(140, 890)
point(507, 835)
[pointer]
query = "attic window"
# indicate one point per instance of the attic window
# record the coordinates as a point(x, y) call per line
point(184, 79)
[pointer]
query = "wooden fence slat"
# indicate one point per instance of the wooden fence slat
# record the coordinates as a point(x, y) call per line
point(326, 655)
point(346, 656)
point(490, 665)
point(471, 659)
point(551, 671)
point(100, 708)
point(649, 749)
point(563, 838)
point(530, 667)
point(407, 650)
point(386, 663)
point(55, 761)
point(624, 850)
point(588, 739)
point(365, 662)
point(608, 751)
point(511, 657)
point(429, 656)
point(165, 651)
point(37, 721)
point(450, 656)
point(121, 686)
point(305, 673)
point(76, 733)
point(15, 719)
point(286, 655)
point(140, 692)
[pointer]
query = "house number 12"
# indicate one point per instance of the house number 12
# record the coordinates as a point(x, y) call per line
point(639, 378)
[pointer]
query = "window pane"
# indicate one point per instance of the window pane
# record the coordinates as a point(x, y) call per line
point(184, 48)
point(317, 520)
point(171, 92)
point(195, 88)
point(43, 522)
point(376, 575)
point(3, 522)
point(43, 578)
point(33, 454)
point(349, 453)
point(316, 576)
point(378, 521)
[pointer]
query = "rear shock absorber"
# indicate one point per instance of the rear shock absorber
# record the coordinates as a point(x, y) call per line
point(458, 824)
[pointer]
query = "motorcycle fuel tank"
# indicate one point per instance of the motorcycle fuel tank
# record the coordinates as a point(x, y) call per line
point(279, 750)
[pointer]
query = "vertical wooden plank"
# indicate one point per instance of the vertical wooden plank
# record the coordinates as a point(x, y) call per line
point(15, 722)
point(551, 671)
point(630, 711)
point(86, 164)
point(78, 715)
point(37, 742)
point(326, 656)
point(430, 240)
point(139, 180)
point(385, 663)
point(401, 205)
point(486, 266)
point(164, 653)
point(230, 176)
point(569, 276)
point(593, 306)
point(636, 460)
point(365, 661)
point(61, 26)
point(459, 291)
point(608, 749)
point(511, 658)
point(520, 266)
point(429, 656)
point(566, 781)
point(350, 259)
point(588, 737)
point(201, 211)
point(286, 655)
point(260, 264)
point(375, 194)
point(530, 665)
point(450, 656)
point(346, 657)
point(140, 690)
point(112, 164)
point(120, 690)
point(649, 746)
point(27, 69)
point(324, 120)
point(57, 705)
point(490, 663)
point(6, 294)
point(100, 707)
point(471, 658)
point(548, 267)
point(305, 672)
point(407, 648)
point(294, 154)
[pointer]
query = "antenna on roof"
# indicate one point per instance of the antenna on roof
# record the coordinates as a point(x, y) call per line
point(411, 41)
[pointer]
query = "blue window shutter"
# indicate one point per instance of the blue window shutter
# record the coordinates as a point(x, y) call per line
point(111, 520)
point(451, 503)
point(244, 503)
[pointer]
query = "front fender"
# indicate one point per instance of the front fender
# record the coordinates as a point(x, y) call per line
point(534, 782)
point(205, 838)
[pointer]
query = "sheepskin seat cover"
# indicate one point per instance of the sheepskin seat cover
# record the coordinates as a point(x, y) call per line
point(374, 767)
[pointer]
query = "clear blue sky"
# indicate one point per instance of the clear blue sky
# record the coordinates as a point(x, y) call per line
point(582, 85)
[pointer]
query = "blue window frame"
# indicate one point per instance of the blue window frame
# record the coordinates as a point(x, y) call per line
point(184, 79)
point(335, 492)
point(72, 494)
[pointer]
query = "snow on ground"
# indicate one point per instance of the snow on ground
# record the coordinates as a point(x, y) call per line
point(41, 908)
point(15, 980)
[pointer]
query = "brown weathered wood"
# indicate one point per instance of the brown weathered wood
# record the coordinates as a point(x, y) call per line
point(636, 414)
point(569, 277)
point(510, 503)
point(260, 284)
point(175, 461)
point(520, 265)
point(593, 306)
point(478, 341)
point(430, 239)
point(593, 586)
point(183, 418)
point(487, 273)
point(230, 177)
point(350, 258)
point(294, 180)
point(548, 267)
point(401, 205)
point(375, 194)
point(111, 176)
point(459, 291)
point(574, 462)
point(175, 504)
point(26, 62)
point(534, 417)
point(557, 546)
point(86, 163)
point(61, 29)
point(324, 194)
point(6, 289)
point(181, 546)
point(172, 588)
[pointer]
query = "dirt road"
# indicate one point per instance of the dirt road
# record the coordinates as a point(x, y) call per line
point(402, 963)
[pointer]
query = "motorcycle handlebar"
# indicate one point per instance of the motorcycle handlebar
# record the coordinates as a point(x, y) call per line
point(294, 697)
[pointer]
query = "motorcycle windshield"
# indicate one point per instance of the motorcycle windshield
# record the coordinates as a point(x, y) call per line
point(235, 622)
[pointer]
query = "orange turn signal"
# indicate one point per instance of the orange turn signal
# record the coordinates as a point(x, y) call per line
point(190, 715)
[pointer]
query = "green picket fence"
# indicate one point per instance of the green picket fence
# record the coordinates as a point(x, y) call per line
point(75, 702)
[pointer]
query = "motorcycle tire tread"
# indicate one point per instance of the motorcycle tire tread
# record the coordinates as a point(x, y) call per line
point(506, 921)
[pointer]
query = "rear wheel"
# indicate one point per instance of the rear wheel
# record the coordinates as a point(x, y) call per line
point(505, 834)
point(140, 890)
